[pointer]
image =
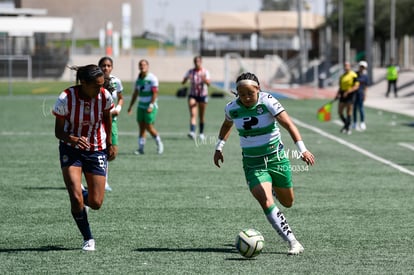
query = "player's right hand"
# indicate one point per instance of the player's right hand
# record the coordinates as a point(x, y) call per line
point(218, 156)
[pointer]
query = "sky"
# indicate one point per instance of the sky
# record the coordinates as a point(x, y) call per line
point(185, 15)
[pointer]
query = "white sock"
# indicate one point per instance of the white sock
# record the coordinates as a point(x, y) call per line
point(280, 224)
point(157, 139)
point(141, 143)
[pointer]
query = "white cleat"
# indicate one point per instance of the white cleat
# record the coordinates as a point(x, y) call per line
point(160, 148)
point(88, 245)
point(363, 126)
point(107, 187)
point(139, 152)
point(295, 248)
point(202, 137)
point(191, 135)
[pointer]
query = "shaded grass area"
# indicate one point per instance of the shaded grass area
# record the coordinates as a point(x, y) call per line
point(178, 214)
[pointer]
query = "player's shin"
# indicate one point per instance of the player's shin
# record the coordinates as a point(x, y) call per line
point(81, 220)
point(279, 223)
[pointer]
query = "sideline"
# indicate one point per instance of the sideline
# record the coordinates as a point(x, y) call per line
point(406, 145)
point(354, 147)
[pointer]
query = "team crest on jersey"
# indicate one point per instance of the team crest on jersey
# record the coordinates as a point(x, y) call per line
point(259, 110)
point(65, 158)
point(87, 109)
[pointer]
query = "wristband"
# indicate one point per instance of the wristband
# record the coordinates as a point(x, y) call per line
point(118, 108)
point(301, 146)
point(220, 145)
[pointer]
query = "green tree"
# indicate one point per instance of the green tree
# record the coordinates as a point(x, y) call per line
point(354, 21)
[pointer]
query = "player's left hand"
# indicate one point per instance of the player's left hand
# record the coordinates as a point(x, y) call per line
point(111, 153)
point(308, 158)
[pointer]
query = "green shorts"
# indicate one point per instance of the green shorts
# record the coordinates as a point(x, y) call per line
point(144, 116)
point(115, 132)
point(274, 168)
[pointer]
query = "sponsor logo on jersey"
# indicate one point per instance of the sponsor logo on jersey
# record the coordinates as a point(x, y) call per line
point(87, 110)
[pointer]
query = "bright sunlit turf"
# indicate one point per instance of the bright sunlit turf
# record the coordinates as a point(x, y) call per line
point(177, 213)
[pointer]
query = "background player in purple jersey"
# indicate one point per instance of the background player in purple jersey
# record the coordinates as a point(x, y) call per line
point(83, 126)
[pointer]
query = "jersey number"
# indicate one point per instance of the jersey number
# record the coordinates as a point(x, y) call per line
point(249, 122)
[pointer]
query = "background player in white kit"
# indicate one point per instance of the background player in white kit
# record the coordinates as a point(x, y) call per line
point(114, 85)
point(256, 116)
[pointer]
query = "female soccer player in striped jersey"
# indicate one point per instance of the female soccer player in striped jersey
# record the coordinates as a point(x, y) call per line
point(114, 86)
point(199, 78)
point(83, 126)
point(256, 115)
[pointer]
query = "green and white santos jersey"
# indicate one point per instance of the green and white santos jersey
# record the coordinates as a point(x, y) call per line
point(117, 87)
point(258, 130)
point(146, 87)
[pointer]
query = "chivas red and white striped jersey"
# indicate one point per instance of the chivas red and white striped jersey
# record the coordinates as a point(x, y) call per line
point(84, 116)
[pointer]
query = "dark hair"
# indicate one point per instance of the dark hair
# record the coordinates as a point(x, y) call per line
point(249, 76)
point(108, 84)
point(87, 73)
point(103, 59)
point(197, 57)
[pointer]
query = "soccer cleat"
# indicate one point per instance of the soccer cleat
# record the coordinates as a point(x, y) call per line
point(191, 135)
point(139, 152)
point(349, 132)
point(295, 248)
point(160, 148)
point(107, 187)
point(88, 245)
point(363, 126)
point(202, 137)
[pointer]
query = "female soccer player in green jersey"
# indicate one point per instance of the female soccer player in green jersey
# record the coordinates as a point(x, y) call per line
point(267, 168)
point(146, 87)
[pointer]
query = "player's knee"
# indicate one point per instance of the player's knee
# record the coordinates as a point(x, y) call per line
point(95, 204)
point(286, 202)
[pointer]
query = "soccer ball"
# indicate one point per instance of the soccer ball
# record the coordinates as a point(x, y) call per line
point(249, 243)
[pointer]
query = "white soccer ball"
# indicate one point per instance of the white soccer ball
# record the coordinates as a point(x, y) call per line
point(249, 243)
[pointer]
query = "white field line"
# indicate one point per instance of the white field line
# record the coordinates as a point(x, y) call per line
point(298, 122)
point(406, 145)
point(338, 122)
point(354, 147)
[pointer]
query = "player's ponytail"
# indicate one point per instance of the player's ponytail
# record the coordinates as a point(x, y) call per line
point(86, 73)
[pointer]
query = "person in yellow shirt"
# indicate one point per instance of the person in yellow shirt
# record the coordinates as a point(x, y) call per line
point(348, 85)
point(392, 77)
